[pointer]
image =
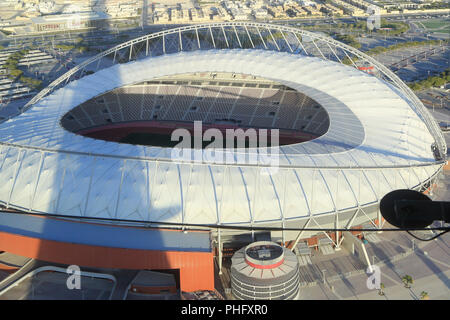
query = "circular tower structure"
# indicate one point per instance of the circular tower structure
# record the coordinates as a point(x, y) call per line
point(264, 271)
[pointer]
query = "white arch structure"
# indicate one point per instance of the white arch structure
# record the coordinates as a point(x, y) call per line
point(380, 138)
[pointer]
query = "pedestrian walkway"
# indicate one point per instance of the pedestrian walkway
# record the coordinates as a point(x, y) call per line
point(428, 265)
point(433, 285)
point(381, 248)
point(328, 266)
point(372, 237)
point(304, 260)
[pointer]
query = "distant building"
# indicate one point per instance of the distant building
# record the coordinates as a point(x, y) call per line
point(261, 13)
point(47, 6)
point(76, 7)
point(239, 14)
point(306, 3)
point(59, 22)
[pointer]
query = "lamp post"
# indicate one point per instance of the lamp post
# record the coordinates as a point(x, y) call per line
point(323, 276)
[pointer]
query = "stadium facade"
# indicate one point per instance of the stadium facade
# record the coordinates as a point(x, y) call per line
point(350, 137)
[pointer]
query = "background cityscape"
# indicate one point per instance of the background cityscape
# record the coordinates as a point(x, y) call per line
point(42, 40)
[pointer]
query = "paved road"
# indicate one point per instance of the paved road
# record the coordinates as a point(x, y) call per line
point(429, 267)
point(433, 284)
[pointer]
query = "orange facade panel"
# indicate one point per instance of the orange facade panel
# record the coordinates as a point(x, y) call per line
point(196, 268)
point(8, 268)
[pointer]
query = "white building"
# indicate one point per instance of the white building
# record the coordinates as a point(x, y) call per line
point(47, 6)
point(261, 13)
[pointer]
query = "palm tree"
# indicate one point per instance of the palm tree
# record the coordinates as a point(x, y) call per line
point(424, 295)
point(408, 281)
point(380, 290)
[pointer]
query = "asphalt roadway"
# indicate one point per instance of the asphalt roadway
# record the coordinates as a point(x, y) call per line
point(429, 267)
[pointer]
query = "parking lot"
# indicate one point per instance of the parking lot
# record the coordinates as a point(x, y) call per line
point(429, 63)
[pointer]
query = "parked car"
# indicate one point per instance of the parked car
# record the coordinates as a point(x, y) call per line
point(445, 126)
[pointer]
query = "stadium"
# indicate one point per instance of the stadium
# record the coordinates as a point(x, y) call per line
point(93, 150)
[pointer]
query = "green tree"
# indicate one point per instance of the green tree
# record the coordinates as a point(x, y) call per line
point(16, 73)
point(348, 39)
point(381, 290)
point(415, 86)
point(437, 81)
point(407, 281)
point(424, 295)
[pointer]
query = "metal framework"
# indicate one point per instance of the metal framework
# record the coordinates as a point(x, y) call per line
point(238, 35)
point(362, 184)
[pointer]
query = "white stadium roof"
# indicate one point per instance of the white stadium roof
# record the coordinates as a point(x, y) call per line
point(379, 138)
point(48, 169)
